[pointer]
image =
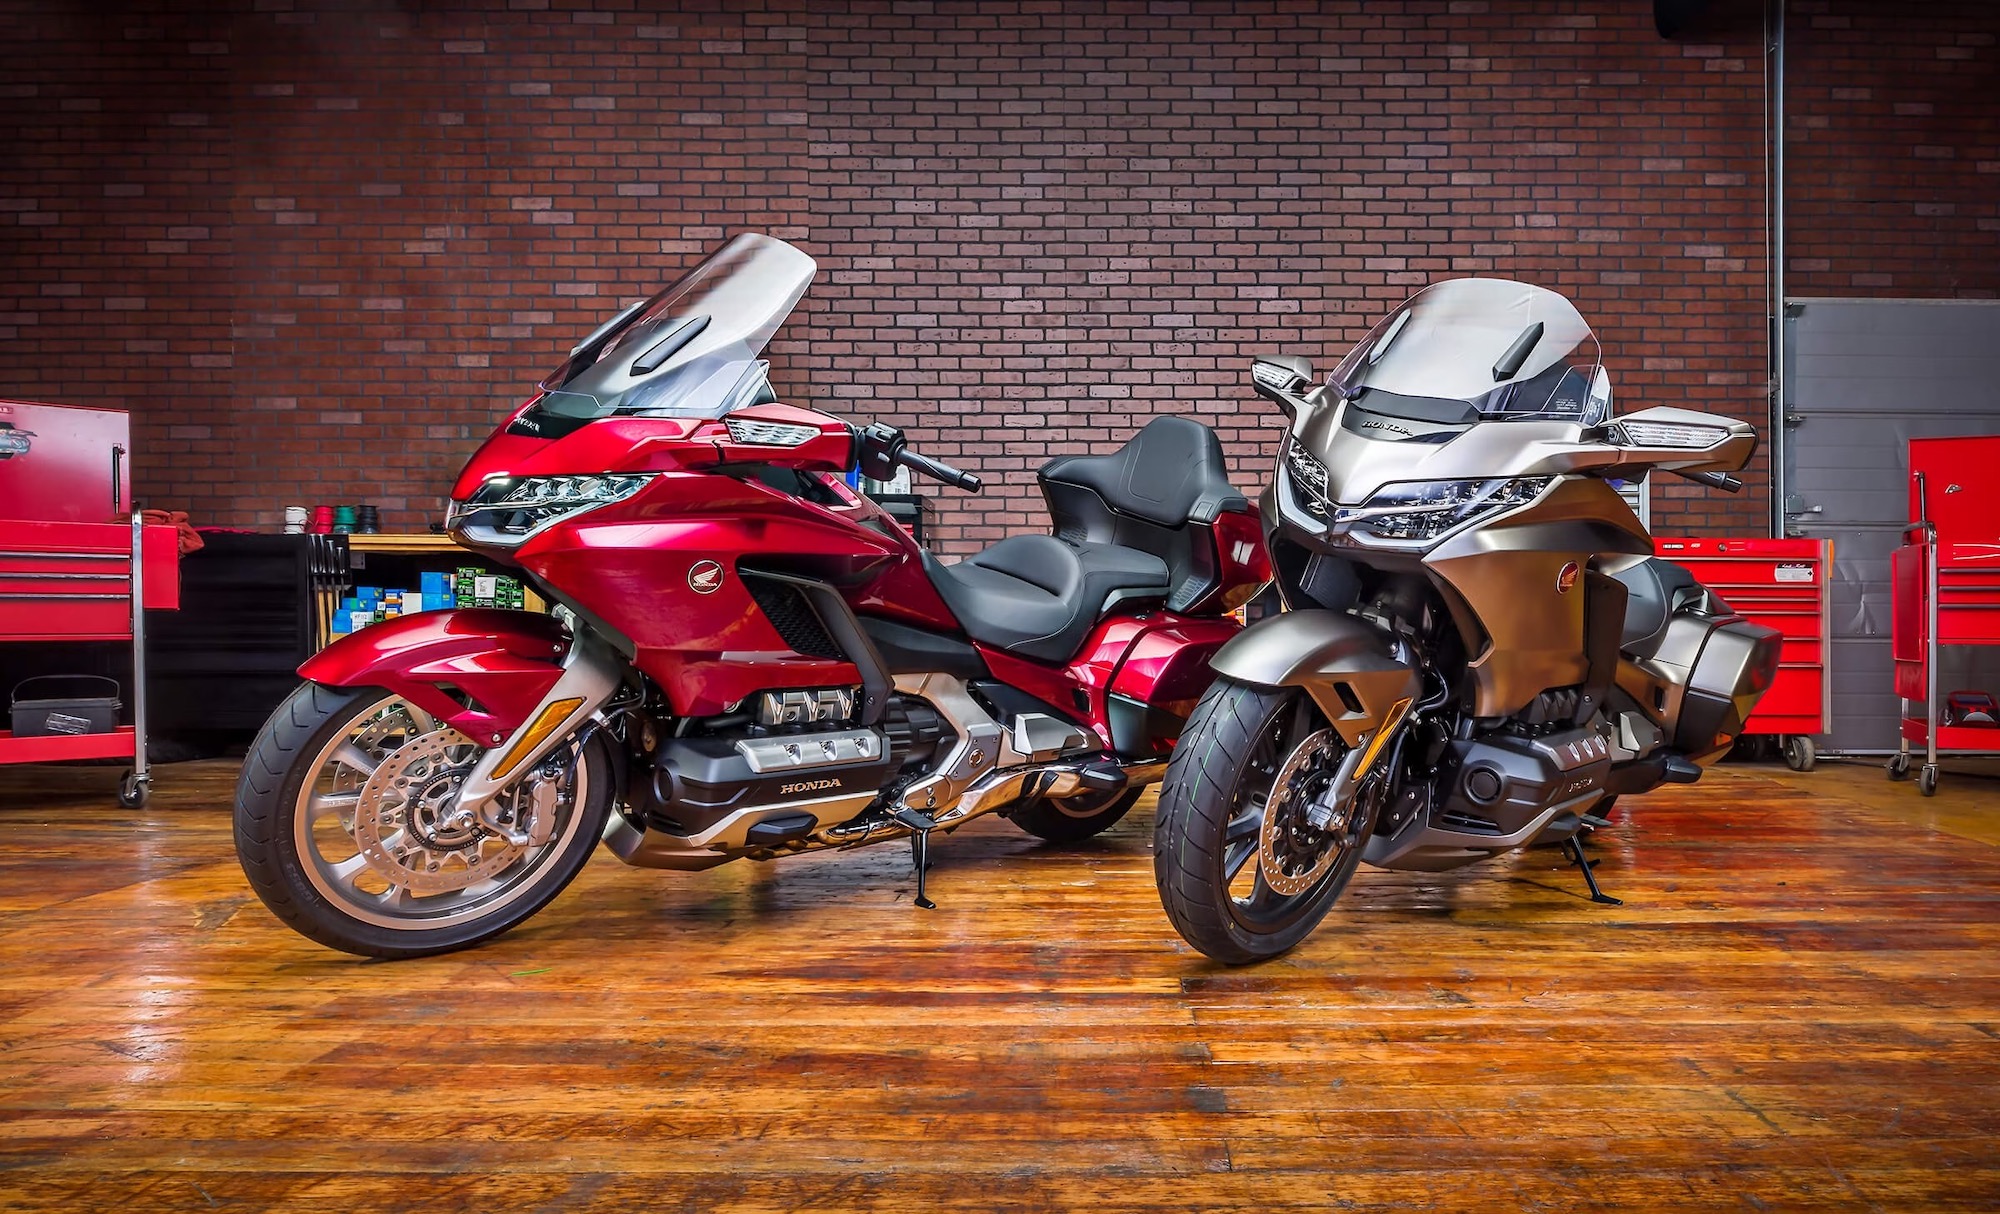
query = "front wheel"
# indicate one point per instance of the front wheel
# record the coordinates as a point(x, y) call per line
point(349, 828)
point(1252, 842)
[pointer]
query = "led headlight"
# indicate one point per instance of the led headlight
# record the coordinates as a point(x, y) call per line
point(1308, 476)
point(505, 512)
point(1629, 433)
point(768, 434)
point(1424, 510)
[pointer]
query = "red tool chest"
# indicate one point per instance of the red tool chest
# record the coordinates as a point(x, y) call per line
point(1945, 590)
point(73, 569)
point(63, 463)
point(1786, 585)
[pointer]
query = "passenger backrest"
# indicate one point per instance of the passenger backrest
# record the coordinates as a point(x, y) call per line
point(1144, 495)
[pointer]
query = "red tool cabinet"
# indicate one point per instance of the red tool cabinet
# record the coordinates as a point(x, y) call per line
point(1944, 590)
point(64, 463)
point(88, 582)
point(1786, 585)
point(68, 575)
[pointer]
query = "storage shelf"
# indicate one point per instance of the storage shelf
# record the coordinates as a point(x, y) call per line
point(411, 544)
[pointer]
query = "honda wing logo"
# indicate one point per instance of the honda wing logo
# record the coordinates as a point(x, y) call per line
point(705, 577)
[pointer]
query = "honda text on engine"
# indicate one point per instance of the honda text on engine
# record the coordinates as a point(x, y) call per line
point(1478, 649)
point(746, 659)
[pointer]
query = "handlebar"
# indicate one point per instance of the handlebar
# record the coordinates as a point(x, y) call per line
point(938, 471)
point(1714, 480)
point(879, 448)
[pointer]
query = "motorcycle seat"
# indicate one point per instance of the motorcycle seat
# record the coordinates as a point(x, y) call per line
point(1037, 596)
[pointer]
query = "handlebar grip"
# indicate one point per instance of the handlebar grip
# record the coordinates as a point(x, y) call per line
point(937, 471)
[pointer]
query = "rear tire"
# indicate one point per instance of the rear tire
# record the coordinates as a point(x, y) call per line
point(1074, 819)
point(274, 813)
point(1218, 786)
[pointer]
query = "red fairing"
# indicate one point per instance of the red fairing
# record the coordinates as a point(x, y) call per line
point(1245, 564)
point(1167, 667)
point(506, 661)
point(1159, 660)
point(654, 444)
point(632, 565)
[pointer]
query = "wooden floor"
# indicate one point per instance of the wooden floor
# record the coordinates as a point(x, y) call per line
point(1796, 1008)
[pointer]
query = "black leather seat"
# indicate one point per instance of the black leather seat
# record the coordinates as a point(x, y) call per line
point(1171, 472)
point(1037, 596)
point(1130, 524)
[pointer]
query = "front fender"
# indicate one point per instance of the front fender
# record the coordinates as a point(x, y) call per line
point(504, 662)
point(1348, 666)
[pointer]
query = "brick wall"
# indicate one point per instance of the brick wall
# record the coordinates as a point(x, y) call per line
point(317, 248)
point(1894, 149)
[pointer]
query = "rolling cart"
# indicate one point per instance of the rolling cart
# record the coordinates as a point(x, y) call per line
point(1781, 584)
point(1945, 590)
point(74, 581)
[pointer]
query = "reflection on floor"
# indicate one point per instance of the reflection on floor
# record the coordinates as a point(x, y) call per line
point(1795, 1008)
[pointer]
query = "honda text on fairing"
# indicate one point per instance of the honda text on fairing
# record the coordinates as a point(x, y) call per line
point(1478, 651)
point(746, 659)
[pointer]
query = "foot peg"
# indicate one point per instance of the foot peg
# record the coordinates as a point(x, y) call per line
point(1102, 777)
point(921, 824)
point(1573, 848)
point(1681, 771)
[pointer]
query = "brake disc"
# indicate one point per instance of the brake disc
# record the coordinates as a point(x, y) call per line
point(1292, 853)
point(410, 827)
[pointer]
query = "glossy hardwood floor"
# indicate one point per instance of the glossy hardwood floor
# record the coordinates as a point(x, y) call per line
point(1796, 1008)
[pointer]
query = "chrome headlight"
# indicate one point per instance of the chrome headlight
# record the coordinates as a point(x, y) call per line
point(505, 512)
point(1424, 510)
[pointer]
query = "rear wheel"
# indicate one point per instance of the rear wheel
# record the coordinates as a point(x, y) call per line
point(1074, 819)
point(349, 827)
point(1251, 845)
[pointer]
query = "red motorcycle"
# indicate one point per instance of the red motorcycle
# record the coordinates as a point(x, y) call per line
point(746, 658)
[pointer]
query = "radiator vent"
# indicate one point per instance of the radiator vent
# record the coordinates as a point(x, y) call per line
point(792, 615)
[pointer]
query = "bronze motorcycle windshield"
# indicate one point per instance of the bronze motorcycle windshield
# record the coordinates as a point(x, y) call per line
point(1505, 349)
point(689, 351)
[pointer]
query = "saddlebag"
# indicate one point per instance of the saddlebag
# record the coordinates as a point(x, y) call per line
point(1734, 667)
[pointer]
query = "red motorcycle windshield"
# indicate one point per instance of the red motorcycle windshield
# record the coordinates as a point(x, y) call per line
point(690, 351)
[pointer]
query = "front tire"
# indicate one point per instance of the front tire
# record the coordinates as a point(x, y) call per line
point(1240, 743)
point(346, 860)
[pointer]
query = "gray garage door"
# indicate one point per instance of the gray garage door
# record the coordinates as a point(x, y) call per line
point(1863, 377)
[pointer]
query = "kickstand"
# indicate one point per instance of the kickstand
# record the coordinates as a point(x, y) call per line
point(920, 825)
point(1573, 848)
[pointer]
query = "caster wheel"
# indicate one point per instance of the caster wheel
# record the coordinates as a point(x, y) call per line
point(131, 793)
point(1927, 781)
point(1899, 767)
point(1800, 753)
